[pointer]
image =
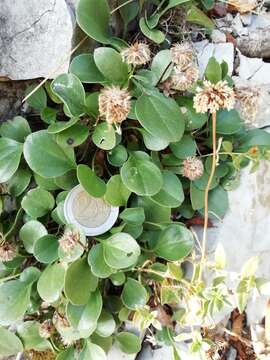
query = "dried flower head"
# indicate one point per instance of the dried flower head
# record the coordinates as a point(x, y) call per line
point(137, 54)
point(182, 55)
point(244, 6)
point(114, 104)
point(46, 329)
point(69, 240)
point(39, 355)
point(183, 80)
point(247, 101)
point(7, 251)
point(60, 321)
point(213, 97)
point(192, 168)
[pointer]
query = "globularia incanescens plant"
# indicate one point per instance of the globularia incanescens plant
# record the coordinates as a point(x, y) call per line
point(138, 131)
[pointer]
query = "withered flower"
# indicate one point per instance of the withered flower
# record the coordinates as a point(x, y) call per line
point(8, 251)
point(137, 54)
point(192, 168)
point(182, 55)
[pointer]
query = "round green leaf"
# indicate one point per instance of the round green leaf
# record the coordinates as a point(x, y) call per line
point(45, 157)
point(85, 317)
point(60, 126)
point(93, 18)
point(184, 148)
point(68, 354)
point(117, 193)
point(30, 233)
point(14, 300)
point(92, 352)
point(111, 65)
point(77, 251)
point(121, 251)
point(84, 67)
point(133, 216)
point(171, 194)
point(106, 324)
point(128, 342)
point(228, 122)
point(96, 261)
point(218, 202)
point(37, 202)
point(153, 34)
point(29, 334)
point(152, 142)
point(104, 136)
point(10, 344)
point(46, 249)
point(174, 243)
point(38, 100)
point(118, 279)
point(134, 295)
point(138, 173)
point(196, 197)
point(51, 282)
point(79, 282)
point(71, 91)
point(117, 156)
point(73, 136)
point(67, 181)
point(10, 156)
point(19, 182)
point(16, 129)
point(161, 65)
point(161, 117)
point(90, 181)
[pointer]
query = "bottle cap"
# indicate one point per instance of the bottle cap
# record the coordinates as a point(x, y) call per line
point(94, 215)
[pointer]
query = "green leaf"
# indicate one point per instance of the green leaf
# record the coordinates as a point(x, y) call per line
point(90, 181)
point(10, 344)
point(128, 342)
point(129, 11)
point(138, 173)
point(117, 193)
point(153, 34)
point(93, 18)
point(196, 197)
point(174, 243)
point(118, 278)
point(161, 116)
point(133, 216)
point(162, 65)
point(79, 282)
point(85, 317)
point(67, 181)
point(30, 233)
point(10, 156)
point(45, 157)
point(16, 129)
point(121, 251)
point(60, 126)
point(218, 202)
point(96, 261)
point(73, 136)
point(46, 249)
point(29, 334)
point(111, 65)
point(19, 182)
point(14, 300)
point(50, 283)
point(71, 91)
point(38, 100)
point(193, 120)
point(68, 354)
point(173, 3)
point(78, 250)
point(134, 295)
point(84, 67)
point(91, 104)
point(106, 324)
point(184, 148)
point(228, 122)
point(92, 352)
point(104, 136)
point(197, 16)
point(48, 115)
point(152, 142)
point(117, 156)
point(154, 212)
point(37, 202)
point(213, 71)
point(45, 183)
point(171, 194)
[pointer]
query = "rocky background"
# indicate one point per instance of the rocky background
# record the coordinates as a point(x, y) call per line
point(36, 39)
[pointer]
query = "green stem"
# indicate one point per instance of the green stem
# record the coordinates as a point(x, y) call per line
point(9, 277)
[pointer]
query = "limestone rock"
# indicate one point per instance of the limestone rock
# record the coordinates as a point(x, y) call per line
point(35, 36)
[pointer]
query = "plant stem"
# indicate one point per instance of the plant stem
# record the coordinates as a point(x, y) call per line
point(9, 277)
point(206, 195)
point(122, 5)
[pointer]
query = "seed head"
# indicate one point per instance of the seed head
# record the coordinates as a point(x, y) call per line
point(60, 321)
point(8, 251)
point(114, 104)
point(182, 55)
point(69, 240)
point(46, 329)
point(192, 168)
point(136, 54)
point(213, 97)
point(244, 6)
point(247, 101)
point(183, 80)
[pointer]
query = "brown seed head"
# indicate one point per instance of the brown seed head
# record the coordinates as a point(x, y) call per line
point(192, 168)
point(182, 55)
point(69, 240)
point(247, 101)
point(136, 54)
point(46, 329)
point(8, 251)
point(183, 80)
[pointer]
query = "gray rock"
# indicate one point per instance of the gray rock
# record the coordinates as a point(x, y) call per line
point(35, 36)
point(218, 36)
point(254, 69)
point(165, 353)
